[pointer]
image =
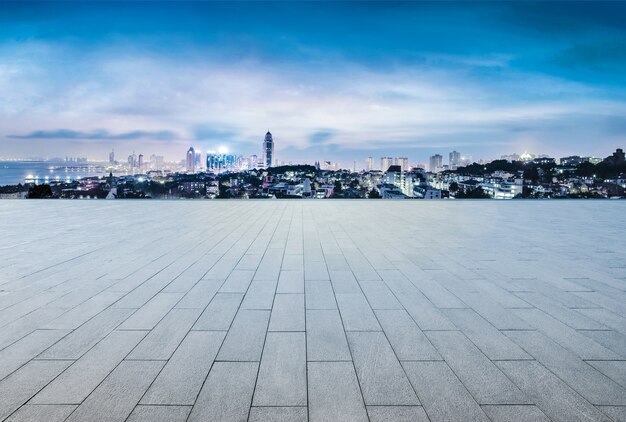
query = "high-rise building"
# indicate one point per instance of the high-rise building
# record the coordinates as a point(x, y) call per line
point(454, 160)
point(268, 150)
point(190, 162)
point(112, 157)
point(253, 161)
point(403, 162)
point(385, 162)
point(436, 163)
point(132, 161)
point(140, 162)
point(198, 164)
point(369, 165)
point(156, 161)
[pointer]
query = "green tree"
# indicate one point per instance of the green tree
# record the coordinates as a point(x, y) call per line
point(373, 194)
point(40, 191)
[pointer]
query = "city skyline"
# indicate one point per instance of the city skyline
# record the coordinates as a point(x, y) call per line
point(399, 79)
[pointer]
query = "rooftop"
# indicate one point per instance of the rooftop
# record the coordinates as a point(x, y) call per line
point(318, 310)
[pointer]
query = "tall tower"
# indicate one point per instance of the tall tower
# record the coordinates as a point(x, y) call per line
point(268, 150)
point(454, 160)
point(191, 160)
point(385, 162)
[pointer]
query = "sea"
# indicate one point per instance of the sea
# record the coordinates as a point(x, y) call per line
point(15, 172)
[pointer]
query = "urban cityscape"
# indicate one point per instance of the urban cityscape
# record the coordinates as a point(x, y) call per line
point(312, 211)
point(223, 174)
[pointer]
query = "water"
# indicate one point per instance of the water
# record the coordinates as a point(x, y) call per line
point(14, 172)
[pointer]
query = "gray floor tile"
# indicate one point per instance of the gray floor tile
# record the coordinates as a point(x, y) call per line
point(278, 414)
point(42, 413)
point(329, 380)
point(287, 313)
point(27, 348)
point(118, 394)
point(282, 374)
point(227, 393)
point(326, 340)
point(443, 396)
point(396, 414)
point(515, 413)
point(381, 377)
point(163, 340)
point(490, 341)
point(356, 313)
point(21, 385)
point(219, 314)
point(407, 340)
point(237, 282)
point(319, 295)
point(379, 296)
point(159, 414)
point(616, 370)
point(480, 376)
point(552, 396)
point(149, 315)
point(185, 285)
point(244, 341)
point(79, 341)
point(616, 413)
point(291, 281)
point(80, 379)
point(565, 336)
point(583, 378)
point(181, 379)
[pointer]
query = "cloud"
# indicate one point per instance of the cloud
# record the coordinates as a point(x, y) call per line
point(210, 133)
point(99, 134)
point(321, 136)
point(473, 100)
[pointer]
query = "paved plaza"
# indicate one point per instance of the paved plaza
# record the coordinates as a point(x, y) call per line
point(325, 310)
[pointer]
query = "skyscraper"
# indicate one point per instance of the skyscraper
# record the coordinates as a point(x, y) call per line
point(198, 163)
point(112, 157)
point(385, 162)
point(140, 161)
point(436, 163)
point(455, 160)
point(369, 164)
point(268, 150)
point(403, 162)
point(190, 163)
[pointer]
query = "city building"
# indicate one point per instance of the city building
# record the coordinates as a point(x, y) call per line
point(436, 163)
point(140, 161)
point(618, 157)
point(403, 162)
point(217, 162)
point(394, 176)
point(385, 163)
point(369, 164)
point(190, 162)
point(253, 161)
point(112, 157)
point(198, 163)
point(132, 161)
point(268, 150)
point(454, 160)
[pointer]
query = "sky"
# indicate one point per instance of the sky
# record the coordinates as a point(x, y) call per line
point(336, 81)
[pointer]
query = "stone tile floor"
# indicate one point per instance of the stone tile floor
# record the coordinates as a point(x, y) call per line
point(312, 310)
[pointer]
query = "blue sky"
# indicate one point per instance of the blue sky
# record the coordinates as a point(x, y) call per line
point(333, 81)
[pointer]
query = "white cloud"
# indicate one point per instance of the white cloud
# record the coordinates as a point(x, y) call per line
point(49, 87)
